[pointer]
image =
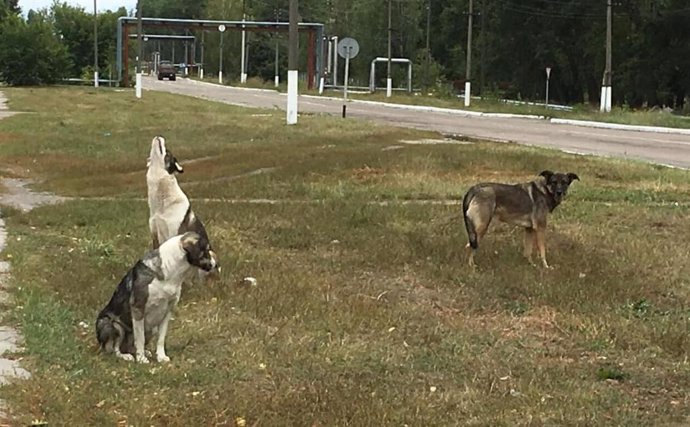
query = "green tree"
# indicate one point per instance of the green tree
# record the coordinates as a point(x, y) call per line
point(31, 53)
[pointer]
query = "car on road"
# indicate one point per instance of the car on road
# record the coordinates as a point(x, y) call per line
point(166, 69)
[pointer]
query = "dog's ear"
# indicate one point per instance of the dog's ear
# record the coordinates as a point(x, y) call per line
point(178, 166)
point(546, 174)
point(573, 176)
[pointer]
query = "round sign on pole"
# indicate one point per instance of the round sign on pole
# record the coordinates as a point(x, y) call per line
point(221, 28)
point(348, 45)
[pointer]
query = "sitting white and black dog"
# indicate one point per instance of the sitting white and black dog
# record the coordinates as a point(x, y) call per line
point(170, 212)
point(145, 298)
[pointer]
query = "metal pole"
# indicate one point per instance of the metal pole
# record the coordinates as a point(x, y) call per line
point(335, 61)
point(201, 71)
point(140, 42)
point(468, 70)
point(482, 51)
point(220, 64)
point(606, 83)
point(546, 104)
point(389, 81)
point(428, 50)
point(243, 74)
point(347, 76)
point(277, 76)
point(95, 45)
point(293, 65)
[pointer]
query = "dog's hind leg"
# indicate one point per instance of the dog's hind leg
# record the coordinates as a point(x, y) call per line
point(117, 344)
point(529, 244)
point(541, 245)
point(477, 220)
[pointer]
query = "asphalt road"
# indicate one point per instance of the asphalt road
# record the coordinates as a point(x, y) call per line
point(663, 148)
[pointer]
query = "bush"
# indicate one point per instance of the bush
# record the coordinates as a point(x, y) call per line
point(30, 54)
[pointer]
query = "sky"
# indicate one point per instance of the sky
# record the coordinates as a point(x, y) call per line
point(26, 5)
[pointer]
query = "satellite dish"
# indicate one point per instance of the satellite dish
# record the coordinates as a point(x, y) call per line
point(348, 45)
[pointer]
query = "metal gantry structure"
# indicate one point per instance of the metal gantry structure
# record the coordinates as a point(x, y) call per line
point(127, 26)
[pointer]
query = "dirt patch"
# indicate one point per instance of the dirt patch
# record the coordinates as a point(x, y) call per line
point(17, 195)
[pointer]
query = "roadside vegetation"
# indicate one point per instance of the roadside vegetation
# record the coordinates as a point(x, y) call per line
point(364, 311)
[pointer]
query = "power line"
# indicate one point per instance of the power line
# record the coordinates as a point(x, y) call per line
point(535, 11)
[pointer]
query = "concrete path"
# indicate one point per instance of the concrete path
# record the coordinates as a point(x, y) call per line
point(663, 148)
point(10, 338)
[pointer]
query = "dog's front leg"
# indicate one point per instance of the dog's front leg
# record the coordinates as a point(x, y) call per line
point(160, 345)
point(139, 337)
point(541, 244)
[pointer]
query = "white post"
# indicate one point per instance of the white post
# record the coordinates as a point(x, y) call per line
point(605, 102)
point(468, 91)
point(372, 76)
point(243, 75)
point(138, 85)
point(95, 79)
point(347, 73)
point(321, 82)
point(335, 60)
point(389, 87)
point(201, 73)
point(277, 81)
point(409, 77)
point(292, 97)
point(220, 77)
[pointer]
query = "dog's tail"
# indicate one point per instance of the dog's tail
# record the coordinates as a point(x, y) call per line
point(104, 331)
point(469, 225)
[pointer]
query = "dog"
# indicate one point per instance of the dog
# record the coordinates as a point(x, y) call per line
point(525, 205)
point(170, 212)
point(143, 302)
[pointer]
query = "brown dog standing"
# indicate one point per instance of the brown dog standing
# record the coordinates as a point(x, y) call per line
point(525, 205)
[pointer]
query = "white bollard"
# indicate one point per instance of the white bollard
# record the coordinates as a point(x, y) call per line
point(277, 81)
point(138, 85)
point(292, 97)
point(468, 93)
point(321, 82)
point(95, 79)
point(220, 77)
point(201, 74)
point(389, 88)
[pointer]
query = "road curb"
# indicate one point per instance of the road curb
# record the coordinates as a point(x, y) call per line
point(605, 125)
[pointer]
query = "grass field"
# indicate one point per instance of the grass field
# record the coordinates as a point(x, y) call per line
point(364, 312)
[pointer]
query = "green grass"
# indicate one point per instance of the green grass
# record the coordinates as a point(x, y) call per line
point(364, 313)
point(621, 115)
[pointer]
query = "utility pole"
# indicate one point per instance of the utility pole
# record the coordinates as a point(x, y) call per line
point(243, 74)
point(482, 52)
point(605, 103)
point(140, 50)
point(95, 45)
point(428, 50)
point(277, 75)
point(389, 81)
point(468, 70)
point(293, 65)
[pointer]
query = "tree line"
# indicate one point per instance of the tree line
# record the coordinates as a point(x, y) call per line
point(513, 42)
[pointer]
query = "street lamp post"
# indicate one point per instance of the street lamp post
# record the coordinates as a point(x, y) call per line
point(201, 70)
point(95, 44)
point(221, 28)
point(548, 76)
point(138, 89)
